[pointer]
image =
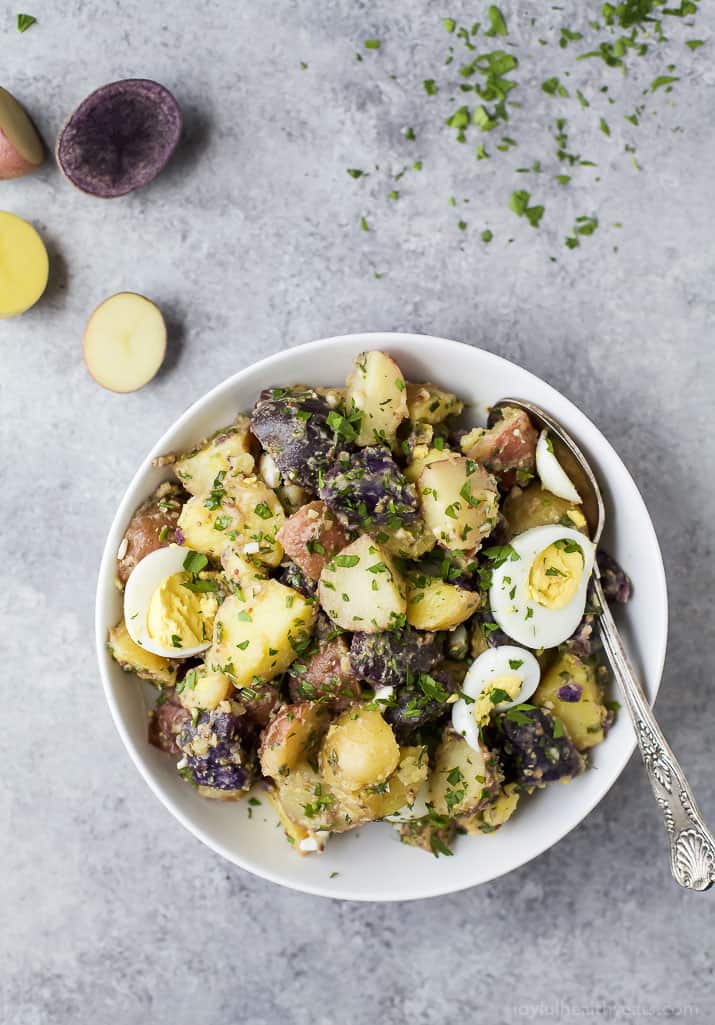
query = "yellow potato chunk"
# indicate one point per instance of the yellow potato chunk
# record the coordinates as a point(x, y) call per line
point(459, 502)
point(24, 265)
point(226, 452)
point(135, 659)
point(362, 589)
point(258, 634)
point(204, 689)
point(377, 389)
point(241, 512)
point(125, 342)
point(435, 604)
point(431, 404)
point(570, 690)
point(359, 750)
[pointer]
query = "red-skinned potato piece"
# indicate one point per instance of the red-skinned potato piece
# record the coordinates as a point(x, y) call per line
point(152, 526)
point(165, 724)
point(311, 536)
point(326, 674)
point(21, 149)
point(506, 447)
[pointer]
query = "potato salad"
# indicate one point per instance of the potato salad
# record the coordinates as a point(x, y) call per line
point(369, 609)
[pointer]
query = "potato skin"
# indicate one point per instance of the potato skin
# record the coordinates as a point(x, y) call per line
point(291, 425)
point(385, 659)
point(325, 672)
point(166, 722)
point(311, 536)
point(534, 747)
point(507, 448)
point(152, 526)
point(292, 736)
point(367, 490)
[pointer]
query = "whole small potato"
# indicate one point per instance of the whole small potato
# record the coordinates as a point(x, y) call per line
point(359, 750)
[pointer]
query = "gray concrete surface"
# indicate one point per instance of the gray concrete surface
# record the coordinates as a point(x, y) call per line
point(109, 911)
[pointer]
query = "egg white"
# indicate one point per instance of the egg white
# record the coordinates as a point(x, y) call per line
point(552, 474)
point(143, 581)
point(518, 615)
point(485, 669)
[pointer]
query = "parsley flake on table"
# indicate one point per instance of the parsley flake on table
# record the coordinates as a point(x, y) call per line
point(25, 21)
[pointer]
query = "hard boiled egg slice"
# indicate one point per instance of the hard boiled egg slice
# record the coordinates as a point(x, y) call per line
point(162, 614)
point(499, 678)
point(538, 593)
point(551, 473)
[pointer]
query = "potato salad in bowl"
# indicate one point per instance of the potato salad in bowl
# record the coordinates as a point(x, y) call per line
point(358, 606)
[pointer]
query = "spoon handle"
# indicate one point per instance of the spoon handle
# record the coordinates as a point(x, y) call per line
point(692, 845)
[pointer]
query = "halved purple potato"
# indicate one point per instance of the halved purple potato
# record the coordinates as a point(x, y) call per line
point(119, 138)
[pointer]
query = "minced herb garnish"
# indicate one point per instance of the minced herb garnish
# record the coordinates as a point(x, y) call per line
point(484, 82)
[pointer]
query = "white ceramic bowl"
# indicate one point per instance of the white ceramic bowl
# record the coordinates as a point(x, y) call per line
point(371, 863)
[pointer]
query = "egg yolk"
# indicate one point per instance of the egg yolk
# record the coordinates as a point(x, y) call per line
point(577, 518)
point(510, 683)
point(556, 575)
point(178, 618)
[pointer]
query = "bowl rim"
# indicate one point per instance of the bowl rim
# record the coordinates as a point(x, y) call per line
point(105, 580)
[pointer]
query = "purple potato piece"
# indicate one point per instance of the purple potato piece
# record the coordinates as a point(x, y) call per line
point(493, 635)
point(119, 138)
point(584, 641)
point(533, 747)
point(367, 489)
point(216, 753)
point(425, 699)
point(387, 659)
point(293, 576)
point(291, 425)
point(615, 582)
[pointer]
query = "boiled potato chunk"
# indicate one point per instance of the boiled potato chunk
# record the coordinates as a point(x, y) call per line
point(463, 781)
point(292, 736)
point(258, 634)
point(493, 815)
point(296, 834)
point(409, 540)
point(377, 389)
point(224, 452)
point(134, 659)
point(24, 265)
point(204, 689)
point(571, 692)
point(431, 404)
point(434, 604)
point(535, 507)
point(241, 511)
point(359, 750)
point(459, 502)
point(418, 463)
point(361, 588)
point(125, 342)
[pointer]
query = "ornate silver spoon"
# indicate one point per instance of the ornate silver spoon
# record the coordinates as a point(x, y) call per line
point(692, 845)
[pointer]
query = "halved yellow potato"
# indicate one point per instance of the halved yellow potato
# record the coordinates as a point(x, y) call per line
point(24, 265)
point(125, 342)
